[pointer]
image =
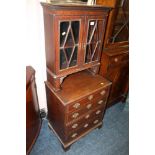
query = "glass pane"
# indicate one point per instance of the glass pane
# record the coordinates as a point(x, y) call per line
point(92, 24)
point(96, 54)
point(75, 29)
point(73, 61)
point(69, 41)
point(95, 37)
point(68, 53)
point(120, 31)
point(63, 62)
point(88, 54)
point(63, 31)
point(94, 40)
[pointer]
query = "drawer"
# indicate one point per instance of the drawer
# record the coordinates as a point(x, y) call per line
point(92, 101)
point(84, 128)
point(76, 114)
point(77, 105)
point(119, 59)
point(101, 102)
point(100, 97)
point(125, 57)
point(86, 118)
point(88, 100)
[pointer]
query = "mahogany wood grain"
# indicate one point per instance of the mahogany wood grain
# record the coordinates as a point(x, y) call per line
point(83, 88)
point(115, 67)
point(33, 120)
point(115, 4)
point(53, 15)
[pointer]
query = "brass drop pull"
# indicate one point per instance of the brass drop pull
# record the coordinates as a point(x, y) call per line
point(103, 92)
point(89, 106)
point(74, 135)
point(96, 121)
point(90, 97)
point(74, 126)
point(87, 116)
point(116, 59)
point(98, 112)
point(76, 105)
point(100, 102)
point(86, 125)
point(75, 115)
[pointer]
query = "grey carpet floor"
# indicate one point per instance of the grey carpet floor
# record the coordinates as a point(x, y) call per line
point(111, 139)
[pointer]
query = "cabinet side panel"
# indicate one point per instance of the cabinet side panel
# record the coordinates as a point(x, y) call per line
point(56, 114)
point(49, 41)
point(104, 64)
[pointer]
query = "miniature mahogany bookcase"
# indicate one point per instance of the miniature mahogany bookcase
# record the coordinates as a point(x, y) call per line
point(76, 94)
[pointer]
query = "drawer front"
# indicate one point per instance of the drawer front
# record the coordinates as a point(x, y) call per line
point(83, 103)
point(114, 60)
point(86, 118)
point(85, 127)
point(100, 97)
point(92, 101)
point(77, 105)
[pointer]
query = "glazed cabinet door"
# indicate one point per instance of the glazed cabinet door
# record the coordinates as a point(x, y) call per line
point(68, 42)
point(95, 27)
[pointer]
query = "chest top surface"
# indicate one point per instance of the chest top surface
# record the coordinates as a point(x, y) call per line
point(80, 84)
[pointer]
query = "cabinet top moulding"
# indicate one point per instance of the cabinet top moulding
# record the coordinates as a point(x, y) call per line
point(68, 7)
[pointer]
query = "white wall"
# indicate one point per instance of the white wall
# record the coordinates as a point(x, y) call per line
point(35, 46)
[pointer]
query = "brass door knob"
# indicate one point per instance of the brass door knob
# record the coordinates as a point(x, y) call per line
point(116, 59)
point(84, 46)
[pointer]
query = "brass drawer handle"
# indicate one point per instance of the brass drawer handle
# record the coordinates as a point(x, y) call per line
point(103, 92)
point(87, 116)
point(74, 126)
point(100, 102)
point(86, 125)
point(90, 97)
point(76, 105)
point(74, 135)
point(75, 115)
point(98, 112)
point(116, 59)
point(89, 106)
point(96, 121)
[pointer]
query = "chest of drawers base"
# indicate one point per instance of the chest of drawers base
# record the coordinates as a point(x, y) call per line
point(78, 107)
point(67, 144)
